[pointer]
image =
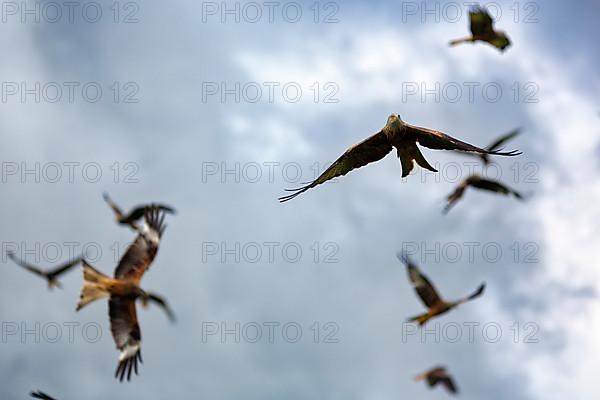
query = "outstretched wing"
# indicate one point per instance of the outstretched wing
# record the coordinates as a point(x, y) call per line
point(474, 295)
point(503, 139)
point(162, 303)
point(113, 205)
point(126, 333)
point(449, 384)
point(64, 268)
point(439, 375)
point(440, 141)
point(138, 212)
point(25, 265)
point(370, 150)
point(455, 196)
point(141, 252)
point(41, 395)
point(421, 284)
point(496, 187)
point(481, 22)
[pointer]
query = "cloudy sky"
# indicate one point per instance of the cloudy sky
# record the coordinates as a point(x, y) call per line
point(216, 109)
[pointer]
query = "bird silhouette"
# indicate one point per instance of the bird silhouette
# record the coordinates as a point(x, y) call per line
point(404, 137)
point(482, 30)
point(51, 276)
point(438, 375)
point(431, 299)
point(478, 182)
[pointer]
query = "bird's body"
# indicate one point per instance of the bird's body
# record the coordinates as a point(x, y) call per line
point(480, 183)
point(51, 276)
point(395, 134)
point(482, 30)
point(436, 376)
point(436, 306)
point(124, 289)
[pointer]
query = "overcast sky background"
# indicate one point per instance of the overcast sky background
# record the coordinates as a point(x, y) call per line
point(172, 139)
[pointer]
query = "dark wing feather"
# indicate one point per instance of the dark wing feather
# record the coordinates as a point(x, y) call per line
point(141, 252)
point(455, 196)
point(440, 141)
point(25, 265)
point(369, 150)
point(41, 395)
point(138, 212)
point(162, 303)
point(449, 384)
point(421, 284)
point(503, 139)
point(126, 333)
point(64, 268)
point(481, 22)
point(112, 205)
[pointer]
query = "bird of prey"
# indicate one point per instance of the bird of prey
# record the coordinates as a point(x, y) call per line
point(136, 214)
point(124, 289)
point(41, 395)
point(51, 276)
point(404, 137)
point(497, 144)
point(427, 293)
point(482, 29)
point(479, 182)
point(438, 375)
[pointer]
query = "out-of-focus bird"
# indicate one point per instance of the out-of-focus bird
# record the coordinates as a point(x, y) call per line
point(438, 375)
point(124, 289)
point(159, 301)
point(481, 183)
point(41, 395)
point(404, 137)
point(427, 293)
point(497, 144)
point(482, 29)
point(51, 276)
point(136, 214)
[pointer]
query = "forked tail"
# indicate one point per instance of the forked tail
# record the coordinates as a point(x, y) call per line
point(94, 286)
point(408, 155)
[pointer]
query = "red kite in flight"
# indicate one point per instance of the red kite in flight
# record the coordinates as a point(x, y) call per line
point(136, 214)
point(404, 137)
point(51, 276)
point(478, 182)
point(427, 293)
point(482, 29)
point(438, 375)
point(124, 289)
point(41, 395)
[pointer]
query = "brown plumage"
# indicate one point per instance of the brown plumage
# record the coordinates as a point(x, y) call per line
point(429, 296)
point(51, 276)
point(478, 182)
point(136, 213)
point(124, 289)
point(404, 137)
point(41, 395)
point(482, 29)
point(438, 375)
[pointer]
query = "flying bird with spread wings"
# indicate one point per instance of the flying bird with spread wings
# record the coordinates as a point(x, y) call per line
point(124, 289)
point(431, 299)
point(41, 395)
point(481, 183)
point(438, 375)
point(136, 214)
point(482, 29)
point(404, 137)
point(497, 144)
point(51, 276)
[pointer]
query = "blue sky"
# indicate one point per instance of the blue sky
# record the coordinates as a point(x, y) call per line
point(172, 145)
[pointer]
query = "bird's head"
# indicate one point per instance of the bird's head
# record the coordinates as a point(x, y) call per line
point(395, 122)
point(501, 41)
